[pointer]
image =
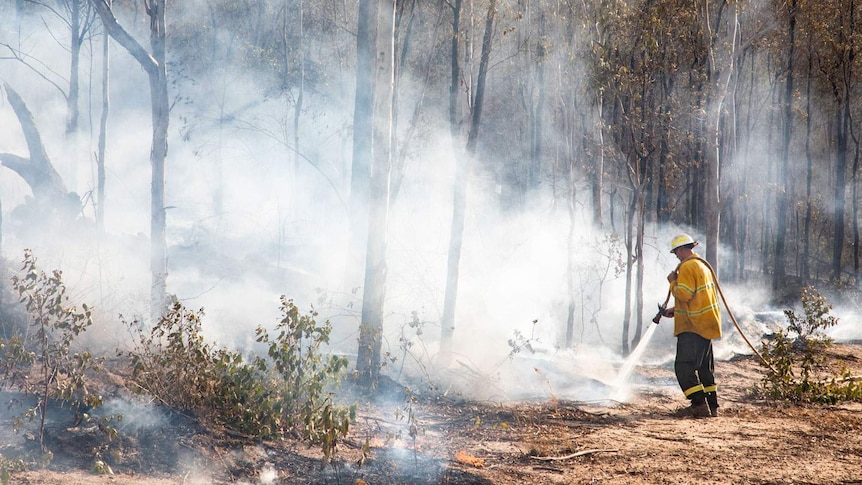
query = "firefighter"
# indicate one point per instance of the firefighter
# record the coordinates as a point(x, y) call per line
point(696, 321)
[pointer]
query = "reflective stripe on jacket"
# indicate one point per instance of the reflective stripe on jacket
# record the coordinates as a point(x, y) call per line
point(696, 307)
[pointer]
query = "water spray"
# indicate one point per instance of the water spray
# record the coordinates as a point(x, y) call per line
point(635, 356)
point(630, 362)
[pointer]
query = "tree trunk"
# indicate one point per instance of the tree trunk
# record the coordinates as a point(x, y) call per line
point(72, 110)
point(371, 327)
point(855, 208)
point(629, 242)
point(842, 121)
point(599, 168)
point(809, 172)
point(155, 67)
point(400, 156)
point(570, 263)
point(720, 76)
point(37, 171)
point(300, 97)
point(103, 133)
point(158, 223)
point(447, 324)
point(459, 201)
point(782, 196)
point(639, 252)
point(537, 128)
point(360, 174)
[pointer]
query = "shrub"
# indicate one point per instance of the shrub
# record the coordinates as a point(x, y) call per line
point(41, 363)
point(282, 393)
point(9, 466)
point(797, 357)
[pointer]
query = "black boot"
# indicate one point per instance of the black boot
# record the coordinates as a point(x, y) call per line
point(712, 402)
point(698, 408)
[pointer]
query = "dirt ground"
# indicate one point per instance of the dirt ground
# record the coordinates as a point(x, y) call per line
point(546, 442)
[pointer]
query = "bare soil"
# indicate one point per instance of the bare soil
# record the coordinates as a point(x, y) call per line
point(549, 442)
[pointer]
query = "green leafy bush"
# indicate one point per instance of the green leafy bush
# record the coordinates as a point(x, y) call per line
point(283, 393)
point(9, 466)
point(41, 363)
point(798, 369)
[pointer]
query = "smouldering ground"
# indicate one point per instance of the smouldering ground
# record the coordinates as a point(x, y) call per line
point(532, 442)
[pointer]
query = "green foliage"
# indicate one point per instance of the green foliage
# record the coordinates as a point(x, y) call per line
point(282, 393)
point(172, 362)
point(8, 467)
point(816, 319)
point(41, 364)
point(798, 358)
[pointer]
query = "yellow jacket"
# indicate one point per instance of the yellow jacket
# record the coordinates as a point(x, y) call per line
point(696, 307)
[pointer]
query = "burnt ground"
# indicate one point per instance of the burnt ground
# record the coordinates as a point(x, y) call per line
point(547, 441)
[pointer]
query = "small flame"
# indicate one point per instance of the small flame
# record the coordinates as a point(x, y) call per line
point(467, 459)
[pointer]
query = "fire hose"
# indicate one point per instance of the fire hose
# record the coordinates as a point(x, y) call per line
point(662, 307)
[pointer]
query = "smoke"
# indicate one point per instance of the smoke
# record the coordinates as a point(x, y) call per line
point(249, 220)
point(137, 415)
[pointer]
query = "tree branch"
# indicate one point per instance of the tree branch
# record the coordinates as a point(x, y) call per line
point(573, 455)
point(119, 34)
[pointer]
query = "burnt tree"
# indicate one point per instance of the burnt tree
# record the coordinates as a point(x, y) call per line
point(49, 192)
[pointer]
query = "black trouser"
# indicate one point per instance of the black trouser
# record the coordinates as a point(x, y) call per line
point(694, 367)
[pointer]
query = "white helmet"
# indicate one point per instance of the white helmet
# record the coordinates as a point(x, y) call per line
point(681, 240)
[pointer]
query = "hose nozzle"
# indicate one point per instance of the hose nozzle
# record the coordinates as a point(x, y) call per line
point(658, 315)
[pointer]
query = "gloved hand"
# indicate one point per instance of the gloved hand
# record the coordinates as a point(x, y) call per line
point(668, 312)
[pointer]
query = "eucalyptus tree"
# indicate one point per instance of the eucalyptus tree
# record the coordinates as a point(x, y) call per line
point(154, 64)
point(420, 29)
point(805, 266)
point(635, 69)
point(780, 255)
point(374, 290)
point(37, 170)
point(720, 27)
point(837, 46)
point(101, 151)
point(80, 17)
point(463, 158)
point(363, 111)
point(572, 45)
point(447, 323)
point(77, 17)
